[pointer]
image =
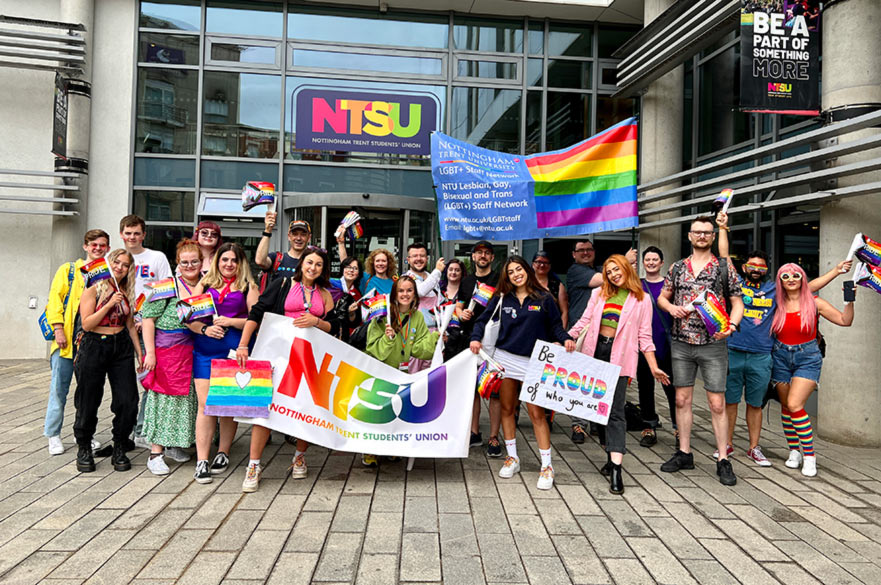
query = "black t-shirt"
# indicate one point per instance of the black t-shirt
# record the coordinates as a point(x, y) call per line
point(466, 290)
point(286, 268)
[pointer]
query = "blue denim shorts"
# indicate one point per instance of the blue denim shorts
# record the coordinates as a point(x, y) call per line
point(796, 361)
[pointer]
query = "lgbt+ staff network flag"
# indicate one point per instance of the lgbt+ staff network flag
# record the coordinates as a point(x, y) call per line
point(587, 188)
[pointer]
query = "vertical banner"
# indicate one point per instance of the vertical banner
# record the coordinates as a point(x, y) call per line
point(780, 56)
point(59, 118)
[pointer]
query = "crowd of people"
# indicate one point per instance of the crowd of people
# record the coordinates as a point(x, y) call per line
point(646, 326)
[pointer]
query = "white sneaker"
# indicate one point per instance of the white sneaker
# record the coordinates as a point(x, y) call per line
point(756, 455)
point(546, 478)
point(96, 445)
point(809, 467)
point(56, 447)
point(142, 443)
point(511, 466)
point(252, 478)
point(298, 467)
point(157, 465)
point(795, 459)
point(177, 454)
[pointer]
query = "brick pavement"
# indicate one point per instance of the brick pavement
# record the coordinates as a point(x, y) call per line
point(451, 521)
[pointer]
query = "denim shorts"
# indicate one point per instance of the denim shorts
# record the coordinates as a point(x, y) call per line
point(712, 359)
point(748, 373)
point(796, 361)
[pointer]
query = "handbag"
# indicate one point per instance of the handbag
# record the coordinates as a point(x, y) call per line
point(45, 327)
point(491, 331)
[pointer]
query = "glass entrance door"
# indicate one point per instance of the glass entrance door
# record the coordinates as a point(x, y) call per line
point(382, 229)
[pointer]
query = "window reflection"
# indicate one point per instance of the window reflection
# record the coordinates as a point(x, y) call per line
point(241, 114)
point(720, 126)
point(487, 69)
point(571, 41)
point(257, 18)
point(168, 49)
point(611, 38)
point(166, 111)
point(536, 37)
point(487, 117)
point(533, 122)
point(369, 28)
point(171, 14)
point(568, 119)
point(569, 74)
point(359, 62)
point(221, 174)
point(238, 53)
point(611, 111)
point(164, 205)
point(480, 34)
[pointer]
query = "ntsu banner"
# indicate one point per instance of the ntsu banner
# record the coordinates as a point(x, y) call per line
point(779, 56)
point(330, 394)
point(587, 188)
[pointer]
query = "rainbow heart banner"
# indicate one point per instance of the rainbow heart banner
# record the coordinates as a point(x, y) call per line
point(587, 188)
point(712, 311)
point(96, 271)
point(160, 289)
point(236, 392)
point(197, 307)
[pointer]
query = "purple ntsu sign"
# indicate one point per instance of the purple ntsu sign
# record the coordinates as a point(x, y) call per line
point(358, 121)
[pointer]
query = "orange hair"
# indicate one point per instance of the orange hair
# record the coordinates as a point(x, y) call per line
point(631, 279)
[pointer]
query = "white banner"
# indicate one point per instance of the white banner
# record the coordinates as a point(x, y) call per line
point(570, 383)
point(330, 394)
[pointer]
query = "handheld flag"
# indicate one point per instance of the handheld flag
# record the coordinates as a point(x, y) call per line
point(481, 295)
point(868, 276)
point(489, 375)
point(139, 302)
point(350, 225)
point(723, 201)
point(377, 306)
point(197, 307)
point(712, 311)
point(96, 271)
point(257, 193)
point(869, 252)
point(160, 289)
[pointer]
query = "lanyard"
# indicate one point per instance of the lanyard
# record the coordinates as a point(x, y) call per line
point(183, 282)
point(405, 333)
point(307, 304)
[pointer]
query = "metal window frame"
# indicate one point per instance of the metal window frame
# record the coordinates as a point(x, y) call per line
point(212, 40)
point(360, 49)
point(517, 61)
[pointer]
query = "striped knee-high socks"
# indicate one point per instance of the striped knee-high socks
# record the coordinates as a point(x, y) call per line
point(802, 423)
point(788, 429)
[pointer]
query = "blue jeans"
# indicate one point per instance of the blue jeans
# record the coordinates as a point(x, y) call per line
point(59, 386)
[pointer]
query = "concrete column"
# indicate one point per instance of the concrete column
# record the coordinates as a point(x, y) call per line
point(67, 231)
point(850, 395)
point(660, 143)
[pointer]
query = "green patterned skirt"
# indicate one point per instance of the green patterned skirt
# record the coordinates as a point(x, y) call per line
point(169, 420)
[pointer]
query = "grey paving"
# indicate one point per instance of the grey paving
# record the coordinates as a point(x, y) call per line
point(447, 521)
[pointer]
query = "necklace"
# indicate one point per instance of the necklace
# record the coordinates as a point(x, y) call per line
point(307, 304)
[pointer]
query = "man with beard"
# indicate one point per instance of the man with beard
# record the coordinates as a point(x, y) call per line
point(749, 349)
point(428, 287)
point(693, 347)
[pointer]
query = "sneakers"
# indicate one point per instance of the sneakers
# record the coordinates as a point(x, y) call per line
point(546, 478)
point(511, 466)
point(578, 435)
point(725, 472)
point(141, 442)
point(729, 450)
point(119, 459)
point(809, 467)
point(476, 440)
point(795, 459)
point(84, 460)
point(252, 478)
point(97, 445)
point(756, 455)
point(649, 438)
point(369, 460)
point(203, 473)
point(298, 467)
point(220, 463)
point(157, 465)
point(56, 447)
point(493, 447)
point(177, 454)
point(679, 461)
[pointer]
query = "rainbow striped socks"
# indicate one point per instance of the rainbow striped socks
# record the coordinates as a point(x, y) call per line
point(788, 429)
point(802, 423)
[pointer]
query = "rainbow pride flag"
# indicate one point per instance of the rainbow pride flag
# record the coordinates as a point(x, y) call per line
point(139, 302)
point(96, 271)
point(482, 294)
point(723, 201)
point(356, 231)
point(712, 312)
point(868, 276)
point(232, 392)
point(377, 306)
point(869, 252)
point(160, 289)
point(257, 193)
point(589, 187)
point(197, 307)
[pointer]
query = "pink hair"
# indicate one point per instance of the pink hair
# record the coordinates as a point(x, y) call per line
point(806, 304)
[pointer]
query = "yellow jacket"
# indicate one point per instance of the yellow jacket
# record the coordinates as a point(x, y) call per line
point(55, 310)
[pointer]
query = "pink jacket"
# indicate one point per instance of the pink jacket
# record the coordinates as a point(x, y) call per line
point(634, 332)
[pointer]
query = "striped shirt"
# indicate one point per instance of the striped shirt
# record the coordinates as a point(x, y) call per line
point(612, 308)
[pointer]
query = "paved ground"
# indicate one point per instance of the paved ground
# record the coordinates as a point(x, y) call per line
point(449, 521)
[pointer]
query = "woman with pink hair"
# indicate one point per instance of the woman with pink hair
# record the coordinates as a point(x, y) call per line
point(797, 359)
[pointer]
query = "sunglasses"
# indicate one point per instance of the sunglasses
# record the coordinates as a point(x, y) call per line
point(793, 276)
point(755, 268)
point(208, 234)
point(315, 249)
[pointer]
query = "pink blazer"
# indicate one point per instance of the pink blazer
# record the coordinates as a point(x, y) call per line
point(634, 332)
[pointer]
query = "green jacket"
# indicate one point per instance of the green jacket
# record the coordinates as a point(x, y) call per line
point(420, 341)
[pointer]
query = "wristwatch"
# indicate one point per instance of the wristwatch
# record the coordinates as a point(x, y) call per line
point(204, 327)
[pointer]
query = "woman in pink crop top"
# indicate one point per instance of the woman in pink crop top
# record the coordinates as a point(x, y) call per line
point(797, 360)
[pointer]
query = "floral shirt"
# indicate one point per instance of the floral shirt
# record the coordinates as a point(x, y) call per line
point(686, 286)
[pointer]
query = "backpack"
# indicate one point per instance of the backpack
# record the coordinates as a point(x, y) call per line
point(722, 276)
point(45, 327)
point(267, 274)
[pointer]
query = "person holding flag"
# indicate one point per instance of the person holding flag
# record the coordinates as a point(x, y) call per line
point(62, 314)
point(233, 292)
point(428, 289)
point(106, 352)
point(380, 271)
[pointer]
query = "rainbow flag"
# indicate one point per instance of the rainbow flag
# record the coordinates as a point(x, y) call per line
point(161, 289)
point(377, 306)
point(197, 307)
point(868, 276)
point(257, 193)
point(723, 200)
point(869, 252)
point(589, 187)
point(712, 312)
point(482, 293)
point(139, 302)
point(356, 231)
point(96, 271)
point(233, 392)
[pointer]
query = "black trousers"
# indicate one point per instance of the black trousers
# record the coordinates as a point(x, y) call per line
point(646, 383)
point(616, 428)
point(103, 357)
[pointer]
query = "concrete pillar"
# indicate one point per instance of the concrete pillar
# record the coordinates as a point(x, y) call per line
point(660, 144)
point(67, 231)
point(850, 394)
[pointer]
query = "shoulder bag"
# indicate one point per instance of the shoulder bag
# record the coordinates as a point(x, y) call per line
point(491, 331)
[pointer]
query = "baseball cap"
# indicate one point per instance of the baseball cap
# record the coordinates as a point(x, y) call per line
point(541, 254)
point(481, 244)
point(300, 224)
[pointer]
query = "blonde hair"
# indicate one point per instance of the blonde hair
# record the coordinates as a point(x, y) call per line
point(126, 285)
point(244, 278)
point(392, 269)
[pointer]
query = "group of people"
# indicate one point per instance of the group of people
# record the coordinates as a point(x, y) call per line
point(645, 326)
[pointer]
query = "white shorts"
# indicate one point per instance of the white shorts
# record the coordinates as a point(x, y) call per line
point(515, 365)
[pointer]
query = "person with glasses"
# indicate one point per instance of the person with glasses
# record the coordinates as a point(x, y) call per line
point(207, 235)
point(541, 263)
point(346, 295)
point(428, 290)
point(282, 263)
point(692, 346)
point(797, 359)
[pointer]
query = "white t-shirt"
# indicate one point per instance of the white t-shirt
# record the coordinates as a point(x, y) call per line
point(150, 265)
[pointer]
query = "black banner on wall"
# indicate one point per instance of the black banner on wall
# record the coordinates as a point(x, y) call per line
point(779, 56)
point(59, 118)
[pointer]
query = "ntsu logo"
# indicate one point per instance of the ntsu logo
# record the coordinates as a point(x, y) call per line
point(779, 88)
point(375, 118)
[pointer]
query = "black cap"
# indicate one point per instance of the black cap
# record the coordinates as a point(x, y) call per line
point(540, 254)
point(482, 244)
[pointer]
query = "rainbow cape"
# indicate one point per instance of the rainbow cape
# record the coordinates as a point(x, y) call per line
point(160, 289)
point(868, 276)
point(589, 187)
point(257, 193)
point(197, 307)
point(377, 306)
point(712, 312)
point(482, 293)
point(96, 271)
point(232, 392)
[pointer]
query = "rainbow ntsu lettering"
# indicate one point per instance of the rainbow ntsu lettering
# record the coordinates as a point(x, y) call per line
point(482, 293)
point(712, 312)
point(161, 289)
point(870, 252)
point(196, 307)
point(235, 393)
point(96, 271)
point(588, 187)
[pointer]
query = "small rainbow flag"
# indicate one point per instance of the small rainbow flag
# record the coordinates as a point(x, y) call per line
point(589, 187)
point(96, 271)
point(868, 276)
point(139, 302)
point(489, 377)
point(197, 307)
point(233, 392)
point(869, 252)
point(257, 193)
point(454, 321)
point(377, 306)
point(356, 231)
point(712, 311)
point(161, 289)
point(482, 294)
point(723, 200)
